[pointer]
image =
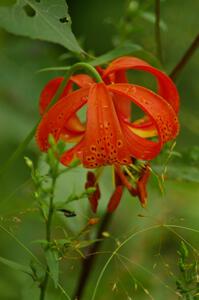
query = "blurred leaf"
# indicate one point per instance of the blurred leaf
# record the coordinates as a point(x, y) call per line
point(15, 266)
point(41, 242)
point(7, 2)
point(54, 69)
point(128, 48)
point(53, 264)
point(46, 20)
point(191, 156)
point(37, 271)
point(183, 251)
point(149, 57)
point(63, 242)
point(149, 16)
point(180, 172)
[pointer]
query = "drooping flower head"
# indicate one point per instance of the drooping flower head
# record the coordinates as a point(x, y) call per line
point(108, 136)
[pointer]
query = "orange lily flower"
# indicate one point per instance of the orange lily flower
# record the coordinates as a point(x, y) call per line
point(108, 136)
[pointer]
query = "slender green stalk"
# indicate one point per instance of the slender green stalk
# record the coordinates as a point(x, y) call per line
point(157, 30)
point(185, 58)
point(44, 284)
point(85, 66)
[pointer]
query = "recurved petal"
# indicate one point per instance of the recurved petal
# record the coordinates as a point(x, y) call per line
point(49, 91)
point(82, 80)
point(145, 129)
point(140, 147)
point(159, 111)
point(123, 107)
point(167, 88)
point(55, 119)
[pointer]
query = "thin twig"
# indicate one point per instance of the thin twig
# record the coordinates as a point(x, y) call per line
point(185, 58)
point(157, 30)
point(89, 261)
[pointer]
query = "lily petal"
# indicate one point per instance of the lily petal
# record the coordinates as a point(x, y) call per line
point(49, 91)
point(167, 88)
point(104, 140)
point(82, 80)
point(54, 120)
point(124, 107)
point(73, 125)
point(159, 111)
point(145, 130)
point(68, 156)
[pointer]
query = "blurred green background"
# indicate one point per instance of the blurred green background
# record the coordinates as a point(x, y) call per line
point(153, 254)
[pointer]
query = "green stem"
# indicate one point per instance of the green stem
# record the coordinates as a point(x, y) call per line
point(85, 66)
point(44, 283)
point(157, 30)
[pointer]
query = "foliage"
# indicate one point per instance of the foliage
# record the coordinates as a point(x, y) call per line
point(187, 285)
point(128, 265)
point(46, 20)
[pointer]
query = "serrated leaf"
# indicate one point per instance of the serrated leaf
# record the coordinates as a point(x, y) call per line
point(53, 264)
point(15, 266)
point(45, 20)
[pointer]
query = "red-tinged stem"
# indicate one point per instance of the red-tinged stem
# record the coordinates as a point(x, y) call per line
point(185, 58)
point(90, 259)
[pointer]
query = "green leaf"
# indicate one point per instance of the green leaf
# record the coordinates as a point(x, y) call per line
point(16, 266)
point(127, 49)
point(180, 172)
point(7, 2)
point(53, 264)
point(149, 57)
point(184, 250)
point(44, 243)
point(149, 16)
point(45, 20)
